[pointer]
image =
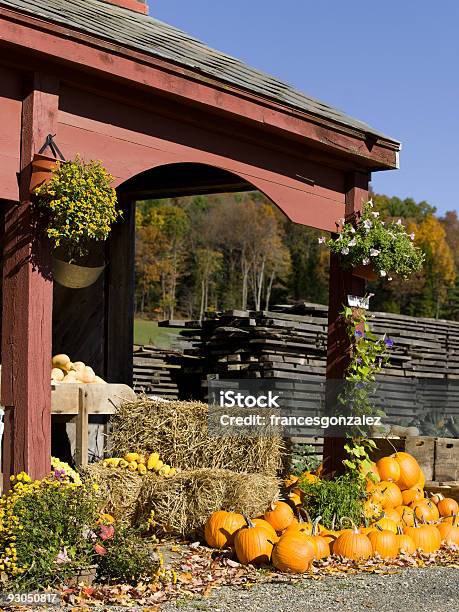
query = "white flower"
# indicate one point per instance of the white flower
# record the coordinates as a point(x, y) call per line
point(365, 261)
point(367, 224)
point(399, 222)
point(352, 230)
point(412, 235)
point(344, 251)
point(342, 221)
point(374, 252)
point(375, 214)
point(383, 273)
point(389, 278)
point(322, 240)
point(370, 202)
point(352, 242)
point(383, 223)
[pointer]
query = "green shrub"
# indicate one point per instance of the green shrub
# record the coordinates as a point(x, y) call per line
point(335, 499)
point(128, 557)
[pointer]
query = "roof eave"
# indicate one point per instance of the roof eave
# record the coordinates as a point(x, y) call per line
point(90, 53)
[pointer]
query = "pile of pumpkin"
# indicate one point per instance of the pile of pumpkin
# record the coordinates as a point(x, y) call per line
point(140, 463)
point(63, 370)
point(404, 521)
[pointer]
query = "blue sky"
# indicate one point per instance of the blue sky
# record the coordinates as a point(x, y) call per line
point(392, 64)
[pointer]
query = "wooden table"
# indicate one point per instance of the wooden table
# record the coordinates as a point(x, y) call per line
point(78, 401)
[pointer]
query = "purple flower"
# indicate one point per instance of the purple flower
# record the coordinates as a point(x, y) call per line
point(59, 474)
point(322, 240)
point(359, 360)
point(389, 342)
point(358, 333)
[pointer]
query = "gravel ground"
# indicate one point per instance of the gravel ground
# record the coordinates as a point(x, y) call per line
point(433, 589)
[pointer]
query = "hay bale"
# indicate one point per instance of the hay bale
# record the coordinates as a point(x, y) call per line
point(178, 431)
point(182, 503)
point(119, 488)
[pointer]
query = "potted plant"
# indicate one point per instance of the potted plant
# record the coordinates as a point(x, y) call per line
point(374, 248)
point(79, 204)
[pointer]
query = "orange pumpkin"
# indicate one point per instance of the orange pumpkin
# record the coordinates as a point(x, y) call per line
point(422, 480)
point(391, 494)
point(448, 506)
point(279, 515)
point(386, 524)
point(425, 537)
point(388, 469)
point(405, 543)
point(384, 543)
point(220, 528)
point(412, 495)
point(449, 533)
point(299, 527)
point(410, 472)
point(252, 544)
point(293, 553)
point(272, 535)
point(452, 520)
point(423, 511)
point(353, 545)
point(392, 514)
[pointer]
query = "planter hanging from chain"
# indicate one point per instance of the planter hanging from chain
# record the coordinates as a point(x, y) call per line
point(44, 165)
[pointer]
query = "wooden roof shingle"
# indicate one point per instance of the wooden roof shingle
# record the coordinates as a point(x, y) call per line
point(144, 33)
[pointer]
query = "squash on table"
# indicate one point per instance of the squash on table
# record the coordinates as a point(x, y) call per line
point(57, 374)
point(61, 361)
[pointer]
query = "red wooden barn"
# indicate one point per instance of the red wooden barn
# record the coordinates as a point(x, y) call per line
point(168, 116)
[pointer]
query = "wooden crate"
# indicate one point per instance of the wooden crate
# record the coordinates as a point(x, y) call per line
point(446, 460)
point(423, 449)
point(447, 489)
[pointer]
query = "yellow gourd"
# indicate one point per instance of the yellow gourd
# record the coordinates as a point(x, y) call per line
point(86, 375)
point(57, 374)
point(61, 361)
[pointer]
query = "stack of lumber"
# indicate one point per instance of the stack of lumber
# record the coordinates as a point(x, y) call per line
point(154, 372)
point(288, 344)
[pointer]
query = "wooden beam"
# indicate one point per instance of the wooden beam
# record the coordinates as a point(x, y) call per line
point(342, 283)
point(120, 287)
point(27, 303)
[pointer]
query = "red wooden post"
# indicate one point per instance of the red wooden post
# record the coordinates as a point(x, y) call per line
point(27, 304)
point(342, 283)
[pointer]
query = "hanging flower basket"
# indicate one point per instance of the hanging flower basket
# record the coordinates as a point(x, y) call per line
point(73, 276)
point(43, 167)
point(373, 248)
point(79, 205)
